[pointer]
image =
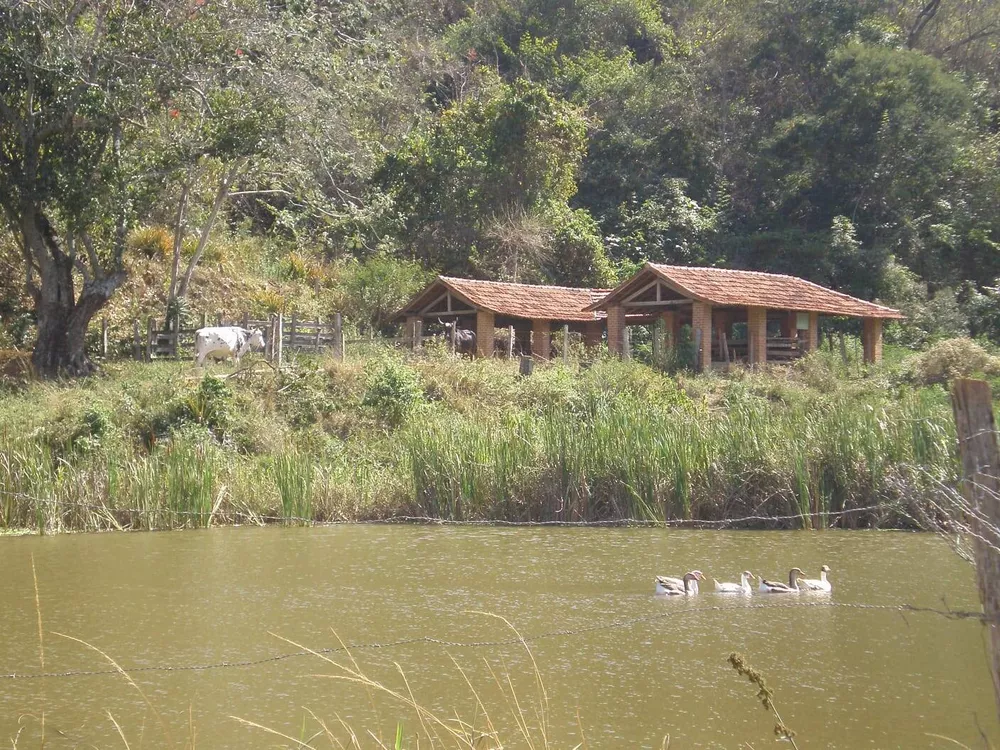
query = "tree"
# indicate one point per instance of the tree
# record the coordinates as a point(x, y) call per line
point(484, 189)
point(79, 84)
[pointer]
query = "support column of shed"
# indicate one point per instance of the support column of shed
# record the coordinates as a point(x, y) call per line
point(485, 333)
point(812, 333)
point(871, 339)
point(541, 339)
point(592, 334)
point(757, 335)
point(701, 329)
point(616, 329)
point(412, 323)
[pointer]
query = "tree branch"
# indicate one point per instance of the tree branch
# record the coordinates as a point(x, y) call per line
point(923, 18)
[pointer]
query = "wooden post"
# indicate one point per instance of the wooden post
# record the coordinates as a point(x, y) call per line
point(724, 345)
point(136, 341)
point(843, 347)
point(418, 334)
point(204, 320)
point(338, 337)
point(218, 318)
point(626, 343)
point(658, 336)
point(292, 329)
point(279, 341)
point(565, 351)
point(149, 339)
point(699, 360)
point(319, 328)
point(246, 319)
point(454, 337)
point(972, 403)
point(510, 342)
point(527, 366)
point(272, 325)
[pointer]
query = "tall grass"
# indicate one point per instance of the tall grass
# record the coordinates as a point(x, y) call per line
point(610, 442)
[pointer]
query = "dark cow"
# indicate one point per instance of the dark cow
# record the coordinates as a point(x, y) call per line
point(465, 340)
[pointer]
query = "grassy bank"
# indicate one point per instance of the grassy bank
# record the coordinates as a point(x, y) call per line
point(165, 445)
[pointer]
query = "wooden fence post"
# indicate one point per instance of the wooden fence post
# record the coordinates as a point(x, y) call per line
point(972, 403)
point(418, 334)
point(658, 329)
point(454, 337)
point(527, 366)
point(626, 344)
point(338, 337)
point(149, 339)
point(319, 330)
point(510, 342)
point(697, 350)
point(136, 341)
point(246, 319)
point(204, 319)
point(104, 337)
point(218, 318)
point(291, 330)
point(279, 340)
point(565, 351)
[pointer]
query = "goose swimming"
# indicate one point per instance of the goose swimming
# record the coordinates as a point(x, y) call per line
point(666, 586)
point(671, 581)
point(817, 584)
point(773, 587)
point(743, 587)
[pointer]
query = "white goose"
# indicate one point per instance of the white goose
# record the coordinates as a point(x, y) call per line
point(688, 585)
point(672, 582)
point(817, 584)
point(743, 587)
point(773, 587)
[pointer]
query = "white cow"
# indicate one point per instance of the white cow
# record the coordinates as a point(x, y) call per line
point(222, 342)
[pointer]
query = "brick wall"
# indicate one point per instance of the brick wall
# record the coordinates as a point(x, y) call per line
point(701, 323)
point(484, 333)
point(616, 329)
point(757, 334)
point(541, 338)
point(871, 339)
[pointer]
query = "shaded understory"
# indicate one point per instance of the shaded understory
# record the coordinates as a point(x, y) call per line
point(165, 445)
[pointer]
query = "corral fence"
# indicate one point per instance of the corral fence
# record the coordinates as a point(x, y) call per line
point(155, 338)
point(165, 339)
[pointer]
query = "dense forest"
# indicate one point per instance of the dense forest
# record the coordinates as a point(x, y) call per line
point(856, 143)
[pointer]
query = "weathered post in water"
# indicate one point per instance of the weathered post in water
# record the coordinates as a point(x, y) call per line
point(977, 444)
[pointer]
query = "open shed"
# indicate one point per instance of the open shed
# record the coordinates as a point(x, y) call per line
point(483, 306)
point(779, 314)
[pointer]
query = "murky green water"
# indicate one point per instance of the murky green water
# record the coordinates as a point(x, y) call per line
point(843, 677)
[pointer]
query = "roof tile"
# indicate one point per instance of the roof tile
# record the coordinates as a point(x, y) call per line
point(720, 286)
point(532, 301)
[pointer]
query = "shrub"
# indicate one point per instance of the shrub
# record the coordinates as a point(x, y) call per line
point(393, 391)
point(952, 358)
point(152, 242)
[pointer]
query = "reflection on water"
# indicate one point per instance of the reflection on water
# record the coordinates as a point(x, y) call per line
point(843, 677)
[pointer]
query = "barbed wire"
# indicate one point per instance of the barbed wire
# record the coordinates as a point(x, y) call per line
point(501, 642)
point(434, 520)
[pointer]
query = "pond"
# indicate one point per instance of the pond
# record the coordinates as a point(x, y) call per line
point(620, 667)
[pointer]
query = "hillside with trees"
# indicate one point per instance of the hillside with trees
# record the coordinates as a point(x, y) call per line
point(315, 151)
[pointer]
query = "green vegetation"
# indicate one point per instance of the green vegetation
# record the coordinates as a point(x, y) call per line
point(161, 445)
point(319, 157)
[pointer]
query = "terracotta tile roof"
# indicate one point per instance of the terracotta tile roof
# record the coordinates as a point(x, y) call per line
point(720, 286)
point(530, 301)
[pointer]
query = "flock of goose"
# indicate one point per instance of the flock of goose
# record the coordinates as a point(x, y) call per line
point(688, 584)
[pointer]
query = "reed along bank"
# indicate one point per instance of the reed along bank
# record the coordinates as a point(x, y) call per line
point(167, 445)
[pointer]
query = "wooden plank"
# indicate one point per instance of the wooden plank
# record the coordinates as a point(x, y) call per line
point(972, 404)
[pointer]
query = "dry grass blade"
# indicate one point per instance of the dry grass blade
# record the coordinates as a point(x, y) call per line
point(128, 679)
point(119, 729)
point(275, 732)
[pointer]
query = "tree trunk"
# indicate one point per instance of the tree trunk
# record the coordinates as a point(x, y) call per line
point(62, 318)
